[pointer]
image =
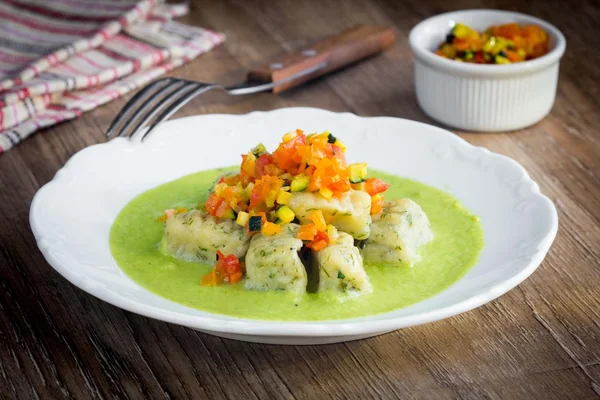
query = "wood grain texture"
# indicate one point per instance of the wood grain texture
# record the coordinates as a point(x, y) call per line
point(539, 341)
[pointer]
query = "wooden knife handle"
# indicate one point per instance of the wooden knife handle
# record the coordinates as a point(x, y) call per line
point(336, 52)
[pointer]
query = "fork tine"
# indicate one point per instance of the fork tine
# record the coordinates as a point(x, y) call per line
point(166, 101)
point(167, 91)
point(177, 104)
point(127, 107)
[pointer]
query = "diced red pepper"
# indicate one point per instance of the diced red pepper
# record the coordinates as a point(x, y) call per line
point(320, 241)
point(261, 162)
point(213, 203)
point(227, 269)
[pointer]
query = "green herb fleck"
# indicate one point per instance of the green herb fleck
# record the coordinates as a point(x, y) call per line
point(341, 275)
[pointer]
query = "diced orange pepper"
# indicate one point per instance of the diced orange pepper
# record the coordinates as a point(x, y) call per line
point(375, 185)
point(317, 218)
point(270, 229)
point(317, 245)
point(235, 277)
point(209, 279)
point(461, 44)
point(307, 232)
point(513, 56)
point(376, 204)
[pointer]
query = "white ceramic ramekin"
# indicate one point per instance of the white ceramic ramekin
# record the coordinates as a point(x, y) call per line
point(479, 97)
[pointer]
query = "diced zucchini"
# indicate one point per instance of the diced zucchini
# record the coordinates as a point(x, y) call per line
point(358, 172)
point(242, 218)
point(229, 214)
point(254, 223)
point(285, 214)
point(300, 183)
point(468, 56)
point(284, 197)
point(331, 139)
point(448, 50)
point(498, 59)
point(259, 150)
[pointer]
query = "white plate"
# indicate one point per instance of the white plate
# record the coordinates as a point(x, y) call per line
point(71, 216)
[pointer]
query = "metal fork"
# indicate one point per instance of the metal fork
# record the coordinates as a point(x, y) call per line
point(175, 93)
point(162, 98)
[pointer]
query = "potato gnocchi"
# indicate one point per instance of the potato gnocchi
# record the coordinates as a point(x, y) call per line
point(397, 233)
point(273, 263)
point(341, 269)
point(196, 236)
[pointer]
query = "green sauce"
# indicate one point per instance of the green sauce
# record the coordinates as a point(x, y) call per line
point(135, 235)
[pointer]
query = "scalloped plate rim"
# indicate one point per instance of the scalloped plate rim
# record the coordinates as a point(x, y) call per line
point(348, 327)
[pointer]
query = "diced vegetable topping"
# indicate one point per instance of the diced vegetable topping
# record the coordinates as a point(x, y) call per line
point(255, 224)
point(284, 197)
point(228, 269)
point(299, 183)
point(376, 204)
point(332, 233)
point(170, 212)
point(320, 241)
point(242, 218)
point(500, 44)
point(317, 218)
point(358, 172)
point(307, 232)
point(270, 229)
point(285, 214)
point(259, 150)
point(257, 197)
point(374, 186)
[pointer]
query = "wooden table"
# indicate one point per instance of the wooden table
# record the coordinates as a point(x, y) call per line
point(540, 340)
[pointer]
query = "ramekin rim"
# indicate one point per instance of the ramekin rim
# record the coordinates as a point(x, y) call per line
point(429, 57)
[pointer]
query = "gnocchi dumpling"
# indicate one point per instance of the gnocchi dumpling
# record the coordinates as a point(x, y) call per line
point(273, 262)
point(196, 236)
point(397, 233)
point(350, 213)
point(341, 267)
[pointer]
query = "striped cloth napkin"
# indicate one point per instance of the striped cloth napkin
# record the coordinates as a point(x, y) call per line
point(60, 58)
